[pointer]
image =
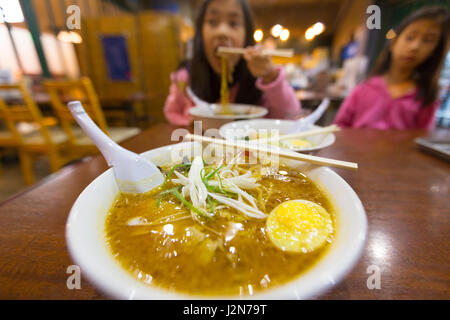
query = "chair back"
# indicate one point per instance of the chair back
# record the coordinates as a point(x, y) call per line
point(23, 117)
point(62, 92)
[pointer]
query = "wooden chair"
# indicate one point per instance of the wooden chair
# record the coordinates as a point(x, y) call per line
point(61, 92)
point(7, 140)
point(39, 140)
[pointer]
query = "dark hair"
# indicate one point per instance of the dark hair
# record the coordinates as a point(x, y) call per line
point(204, 82)
point(426, 74)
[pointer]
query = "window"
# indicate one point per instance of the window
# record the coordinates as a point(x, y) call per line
point(11, 10)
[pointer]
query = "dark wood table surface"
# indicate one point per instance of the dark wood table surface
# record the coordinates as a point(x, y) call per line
point(405, 193)
point(311, 95)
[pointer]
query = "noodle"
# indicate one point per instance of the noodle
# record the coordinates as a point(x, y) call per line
point(224, 91)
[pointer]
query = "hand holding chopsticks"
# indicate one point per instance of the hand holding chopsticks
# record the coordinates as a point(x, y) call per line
point(282, 153)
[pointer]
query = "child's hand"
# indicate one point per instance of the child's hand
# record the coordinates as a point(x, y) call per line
point(260, 65)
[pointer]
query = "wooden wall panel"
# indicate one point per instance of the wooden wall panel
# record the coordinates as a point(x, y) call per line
point(159, 35)
point(353, 22)
point(95, 65)
point(155, 51)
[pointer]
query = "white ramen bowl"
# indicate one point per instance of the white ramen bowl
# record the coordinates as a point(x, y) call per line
point(212, 119)
point(240, 129)
point(88, 248)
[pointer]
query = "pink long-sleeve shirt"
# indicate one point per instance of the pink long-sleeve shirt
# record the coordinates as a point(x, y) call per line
point(278, 96)
point(371, 106)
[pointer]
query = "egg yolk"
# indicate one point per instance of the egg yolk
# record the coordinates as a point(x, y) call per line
point(299, 226)
point(297, 143)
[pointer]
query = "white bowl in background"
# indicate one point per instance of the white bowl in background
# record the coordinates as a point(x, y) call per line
point(87, 245)
point(211, 120)
point(240, 129)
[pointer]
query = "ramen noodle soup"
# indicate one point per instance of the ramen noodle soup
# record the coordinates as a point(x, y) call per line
point(222, 229)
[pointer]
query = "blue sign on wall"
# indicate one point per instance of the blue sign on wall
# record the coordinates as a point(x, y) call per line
point(117, 60)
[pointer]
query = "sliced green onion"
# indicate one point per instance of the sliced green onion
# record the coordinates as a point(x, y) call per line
point(165, 193)
point(215, 189)
point(213, 173)
point(212, 206)
point(169, 174)
point(204, 172)
point(220, 185)
point(190, 206)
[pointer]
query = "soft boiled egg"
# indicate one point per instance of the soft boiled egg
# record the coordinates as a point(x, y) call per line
point(296, 144)
point(299, 226)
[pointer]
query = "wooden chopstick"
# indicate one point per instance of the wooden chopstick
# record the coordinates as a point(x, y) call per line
point(329, 129)
point(287, 53)
point(285, 154)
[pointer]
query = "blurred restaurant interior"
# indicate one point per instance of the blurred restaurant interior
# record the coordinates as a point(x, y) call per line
point(119, 59)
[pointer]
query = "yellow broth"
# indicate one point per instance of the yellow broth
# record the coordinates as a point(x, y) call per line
point(191, 257)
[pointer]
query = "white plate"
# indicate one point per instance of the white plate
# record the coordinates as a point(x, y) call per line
point(240, 111)
point(87, 246)
point(240, 129)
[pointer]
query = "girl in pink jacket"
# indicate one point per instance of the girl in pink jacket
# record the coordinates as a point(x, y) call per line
point(255, 80)
point(402, 93)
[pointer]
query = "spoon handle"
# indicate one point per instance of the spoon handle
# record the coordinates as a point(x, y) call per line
point(104, 143)
point(313, 117)
point(307, 122)
point(196, 99)
point(133, 173)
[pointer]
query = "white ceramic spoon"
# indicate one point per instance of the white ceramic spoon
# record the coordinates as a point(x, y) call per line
point(134, 174)
point(199, 102)
point(306, 123)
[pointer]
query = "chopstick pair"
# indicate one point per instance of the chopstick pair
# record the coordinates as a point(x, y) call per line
point(303, 134)
point(285, 53)
point(285, 154)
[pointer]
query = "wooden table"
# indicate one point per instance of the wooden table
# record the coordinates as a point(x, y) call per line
point(309, 95)
point(404, 191)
